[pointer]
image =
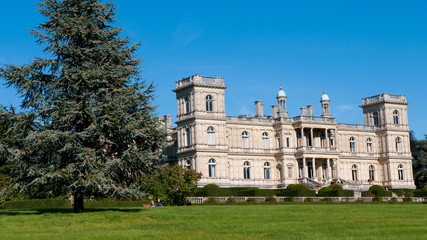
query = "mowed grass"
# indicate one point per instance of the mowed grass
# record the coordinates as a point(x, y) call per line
point(290, 221)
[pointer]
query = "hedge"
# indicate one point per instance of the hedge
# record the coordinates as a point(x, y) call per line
point(408, 192)
point(38, 204)
point(115, 203)
point(420, 194)
point(336, 193)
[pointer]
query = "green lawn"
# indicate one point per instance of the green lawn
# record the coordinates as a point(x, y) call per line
point(289, 221)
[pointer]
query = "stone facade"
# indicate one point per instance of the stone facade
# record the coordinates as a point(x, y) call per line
point(275, 151)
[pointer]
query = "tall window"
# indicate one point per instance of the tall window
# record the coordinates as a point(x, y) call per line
point(396, 117)
point(288, 142)
point(187, 105)
point(323, 141)
point(376, 118)
point(211, 135)
point(400, 171)
point(265, 140)
point(398, 145)
point(245, 139)
point(372, 173)
point(354, 172)
point(212, 166)
point(300, 170)
point(266, 170)
point(209, 105)
point(246, 170)
point(188, 164)
point(352, 145)
point(299, 140)
point(188, 132)
point(324, 175)
point(369, 145)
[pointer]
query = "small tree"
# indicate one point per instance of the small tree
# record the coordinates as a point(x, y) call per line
point(171, 184)
point(97, 131)
point(419, 162)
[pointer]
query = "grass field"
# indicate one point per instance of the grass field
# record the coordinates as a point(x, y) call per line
point(290, 221)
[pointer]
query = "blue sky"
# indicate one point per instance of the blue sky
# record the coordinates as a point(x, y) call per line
point(353, 49)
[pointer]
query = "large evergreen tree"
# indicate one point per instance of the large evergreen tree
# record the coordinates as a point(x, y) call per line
point(419, 161)
point(97, 131)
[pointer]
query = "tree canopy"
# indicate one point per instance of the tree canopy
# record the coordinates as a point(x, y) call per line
point(419, 162)
point(96, 132)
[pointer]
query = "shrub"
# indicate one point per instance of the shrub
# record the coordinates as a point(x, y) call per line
point(210, 201)
point(270, 200)
point(324, 192)
point(394, 200)
point(230, 200)
point(251, 200)
point(407, 199)
point(211, 190)
point(308, 200)
point(38, 204)
point(336, 186)
point(379, 191)
point(420, 193)
point(424, 189)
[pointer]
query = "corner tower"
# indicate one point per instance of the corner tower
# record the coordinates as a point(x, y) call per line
point(324, 101)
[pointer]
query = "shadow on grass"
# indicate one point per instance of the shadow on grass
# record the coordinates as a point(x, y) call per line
point(15, 212)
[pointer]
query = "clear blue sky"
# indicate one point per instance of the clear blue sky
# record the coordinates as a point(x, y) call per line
point(353, 49)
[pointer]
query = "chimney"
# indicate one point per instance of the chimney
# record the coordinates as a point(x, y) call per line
point(275, 110)
point(168, 121)
point(310, 110)
point(303, 112)
point(259, 109)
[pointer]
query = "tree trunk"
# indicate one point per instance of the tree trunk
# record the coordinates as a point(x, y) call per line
point(78, 202)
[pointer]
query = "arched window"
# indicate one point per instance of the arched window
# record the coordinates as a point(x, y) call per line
point(212, 166)
point(265, 140)
point(369, 145)
point(400, 171)
point(352, 145)
point(187, 105)
point(188, 164)
point(209, 104)
point(245, 139)
point(211, 135)
point(266, 170)
point(354, 172)
point(246, 170)
point(398, 145)
point(396, 117)
point(372, 173)
point(188, 132)
point(376, 122)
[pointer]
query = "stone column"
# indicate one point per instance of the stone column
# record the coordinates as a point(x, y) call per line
point(328, 169)
point(338, 169)
point(326, 139)
point(304, 168)
point(314, 168)
point(311, 137)
point(302, 137)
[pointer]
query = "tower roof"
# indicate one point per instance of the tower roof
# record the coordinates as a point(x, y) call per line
point(281, 93)
point(325, 97)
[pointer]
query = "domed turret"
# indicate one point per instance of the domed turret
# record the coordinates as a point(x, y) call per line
point(281, 103)
point(281, 93)
point(324, 100)
point(325, 97)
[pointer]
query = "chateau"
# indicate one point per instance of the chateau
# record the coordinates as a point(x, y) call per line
point(275, 151)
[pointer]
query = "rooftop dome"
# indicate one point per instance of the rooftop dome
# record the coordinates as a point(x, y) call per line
point(281, 93)
point(324, 96)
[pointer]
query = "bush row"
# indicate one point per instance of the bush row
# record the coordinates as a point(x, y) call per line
point(38, 204)
point(107, 203)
